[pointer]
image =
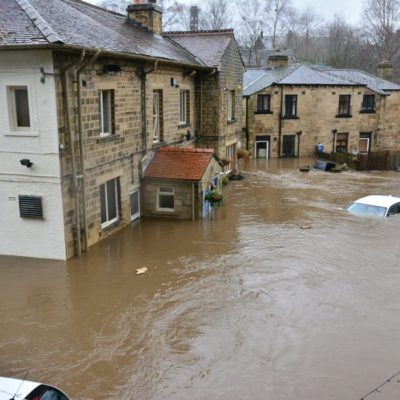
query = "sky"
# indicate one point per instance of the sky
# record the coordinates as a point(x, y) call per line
point(348, 9)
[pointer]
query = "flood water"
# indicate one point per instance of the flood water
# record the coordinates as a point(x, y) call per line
point(243, 305)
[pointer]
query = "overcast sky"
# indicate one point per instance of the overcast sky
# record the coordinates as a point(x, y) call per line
point(348, 9)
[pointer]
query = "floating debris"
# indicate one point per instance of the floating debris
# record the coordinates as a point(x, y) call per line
point(141, 270)
point(306, 227)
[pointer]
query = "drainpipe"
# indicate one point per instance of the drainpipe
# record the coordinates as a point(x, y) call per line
point(247, 124)
point(193, 208)
point(280, 124)
point(75, 183)
point(81, 155)
point(298, 143)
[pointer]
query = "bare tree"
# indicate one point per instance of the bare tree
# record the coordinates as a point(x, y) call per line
point(250, 29)
point(381, 21)
point(173, 12)
point(278, 20)
point(216, 14)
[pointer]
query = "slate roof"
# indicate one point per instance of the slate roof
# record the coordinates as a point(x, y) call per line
point(179, 164)
point(76, 23)
point(255, 80)
point(208, 46)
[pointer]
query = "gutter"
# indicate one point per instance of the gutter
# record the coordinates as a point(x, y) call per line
point(77, 226)
point(81, 155)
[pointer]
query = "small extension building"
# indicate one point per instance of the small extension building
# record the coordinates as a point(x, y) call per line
point(87, 99)
point(291, 108)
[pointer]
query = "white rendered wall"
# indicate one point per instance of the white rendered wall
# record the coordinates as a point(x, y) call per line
point(21, 236)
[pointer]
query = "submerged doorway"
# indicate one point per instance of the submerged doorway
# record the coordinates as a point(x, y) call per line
point(262, 147)
point(135, 205)
point(289, 146)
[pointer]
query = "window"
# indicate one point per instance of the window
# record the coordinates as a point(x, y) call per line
point(109, 202)
point(364, 142)
point(291, 106)
point(344, 105)
point(18, 99)
point(184, 108)
point(106, 100)
point(157, 116)
point(230, 152)
point(368, 103)
point(231, 105)
point(342, 142)
point(264, 103)
point(165, 198)
point(135, 205)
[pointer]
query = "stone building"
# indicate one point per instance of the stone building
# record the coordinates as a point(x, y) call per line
point(87, 98)
point(290, 109)
point(177, 180)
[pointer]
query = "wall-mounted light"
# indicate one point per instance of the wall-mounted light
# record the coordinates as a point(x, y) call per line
point(334, 131)
point(25, 161)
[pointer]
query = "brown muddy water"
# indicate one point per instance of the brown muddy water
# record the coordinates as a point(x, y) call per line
point(244, 305)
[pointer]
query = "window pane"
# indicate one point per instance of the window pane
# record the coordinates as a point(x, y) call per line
point(134, 203)
point(106, 112)
point(103, 204)
point(111, 200)
point(166, 201)
point(22, 107)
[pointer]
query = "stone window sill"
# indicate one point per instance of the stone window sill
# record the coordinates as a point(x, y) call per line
point(181, 126)
point(263, 112)
point(290, 117)
point(344, 116)
point(367, 111)
point(108, 138)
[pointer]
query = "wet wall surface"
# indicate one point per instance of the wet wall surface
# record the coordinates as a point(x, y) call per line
point(243, 305)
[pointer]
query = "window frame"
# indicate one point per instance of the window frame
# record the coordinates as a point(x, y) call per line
point(261, 108)
point(167, 193)
point(110, 112)
point(157, 116)
point(231, 106)
point(344, 106)
point(366, 107)
point(184, 107)
point(108, 222)
point(13, 109)
point(342, 138)
point(292, 105)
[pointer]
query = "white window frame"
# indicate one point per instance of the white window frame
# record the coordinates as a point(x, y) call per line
point(230, 151)
point(231, 105)
point(136, 215)
point(12, 105)
point(162, 192)
point(110, 221)
point(183, 97)
point(156, 116)
point(103, 131)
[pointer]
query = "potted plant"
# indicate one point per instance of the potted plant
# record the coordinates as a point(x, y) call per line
point(214, 197)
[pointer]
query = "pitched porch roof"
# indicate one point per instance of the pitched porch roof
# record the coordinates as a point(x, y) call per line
point(179, 164)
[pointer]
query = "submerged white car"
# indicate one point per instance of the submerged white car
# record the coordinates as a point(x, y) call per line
point(377, 205)
point(18, 389)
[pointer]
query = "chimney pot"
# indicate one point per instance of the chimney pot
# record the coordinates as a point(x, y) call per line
point(146, 13)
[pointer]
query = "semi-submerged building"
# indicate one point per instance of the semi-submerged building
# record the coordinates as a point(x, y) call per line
point(291, 108)
point(88, 97)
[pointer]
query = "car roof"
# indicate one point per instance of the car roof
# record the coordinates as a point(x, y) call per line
point(379, 200)
point(18, 387)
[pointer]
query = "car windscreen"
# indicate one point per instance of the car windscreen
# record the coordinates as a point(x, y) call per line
point(366, 209)
point(44, 392)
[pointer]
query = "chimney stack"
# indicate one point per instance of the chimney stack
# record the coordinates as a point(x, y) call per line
point(146, 13)
point(278, 60)
point(194, 18)
point(385, 70)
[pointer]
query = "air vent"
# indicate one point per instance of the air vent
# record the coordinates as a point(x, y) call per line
point(30, 207)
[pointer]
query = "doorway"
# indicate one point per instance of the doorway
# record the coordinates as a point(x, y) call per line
point(262, 147)
point(289, 146)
